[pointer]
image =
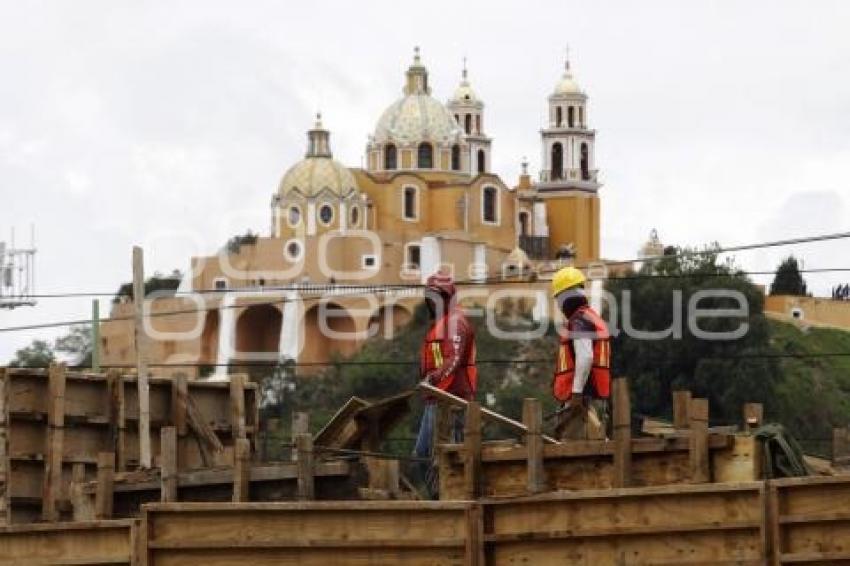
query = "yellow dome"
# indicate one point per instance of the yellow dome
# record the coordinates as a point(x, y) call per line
point(314, 175)
point(567, 84)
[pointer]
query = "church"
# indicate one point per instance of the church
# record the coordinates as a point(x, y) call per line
point(357, 242)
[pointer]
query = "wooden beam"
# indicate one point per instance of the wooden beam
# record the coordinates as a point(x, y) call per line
point(141, 343)
point(841, 446)
point(485, 413)
point(5, 505)
point(118, 428)
point(179, 394)
point(622, 433)
point(168, 463)
point(80, 500)
point(699, 457)
point(753, 416)
point(237, 405)
point(300, 425)
point(52, 484)
point(105, 485)
point(306, 487)
point(681, 402)
point(95, 335)
point(532, 418)
point(472, 453)
point(241, 470)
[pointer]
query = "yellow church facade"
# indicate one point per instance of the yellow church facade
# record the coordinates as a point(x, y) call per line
point(359, 241)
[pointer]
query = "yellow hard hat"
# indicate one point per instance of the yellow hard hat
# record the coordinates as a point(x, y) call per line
point(566, 278)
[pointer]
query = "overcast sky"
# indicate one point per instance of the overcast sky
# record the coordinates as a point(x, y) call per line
point(169, 124)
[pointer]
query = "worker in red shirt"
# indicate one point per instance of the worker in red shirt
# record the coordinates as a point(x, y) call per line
point(582, 380)
point(447, 358)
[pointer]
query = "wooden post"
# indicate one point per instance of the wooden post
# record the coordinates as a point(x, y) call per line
point(5, 507)
point(840, 446)
point(237, 406)
point(241, 470)
point(681, 402)
point(698, 415)
point(622, 433)
point(474, 550)
point(105, 480)
point(532, 418)
point(120, 414)
point(141, 359)
point(95, 336)
point(179, 409)
point(306, 486)
point(52, 485)
point(753, 416)
point(168, 463)
point(80, 500)
point(472, 452)
point(300, 425)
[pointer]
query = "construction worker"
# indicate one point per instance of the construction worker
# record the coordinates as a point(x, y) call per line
point(582, 379)
point(447, 360)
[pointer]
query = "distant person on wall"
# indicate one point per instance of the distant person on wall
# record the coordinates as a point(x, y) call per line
point(447, 361)
point(582, 380)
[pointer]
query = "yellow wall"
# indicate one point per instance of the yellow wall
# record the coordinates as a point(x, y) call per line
point(817, 311)
point(574, 218)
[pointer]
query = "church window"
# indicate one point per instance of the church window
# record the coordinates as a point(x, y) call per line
point(559, 116)
point(455, 157)
point(581, 116)
point(294, 216)
point(557, 161)
point(425, 156)
point(326, 214)
point(293, 250)
point(481, 161)
point(457, 119)
point(585, 162)
point(413, 257)
point(355, 216)
point(390, 157)
point(523, 223)
point(478, 124)
point(570, 116)
point(410, 205)
point(489, 205)
point(467, 124)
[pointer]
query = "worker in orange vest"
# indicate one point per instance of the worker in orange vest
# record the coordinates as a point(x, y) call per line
point(582, 381)
point(447, 358)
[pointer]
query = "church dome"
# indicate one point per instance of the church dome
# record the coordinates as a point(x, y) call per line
point(318, 171)
point(417, 116)
point(567, 84)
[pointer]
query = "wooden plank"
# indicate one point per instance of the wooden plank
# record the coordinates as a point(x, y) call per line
point(532, 418)
point(5, 470)
point(105, 480)
point(82, 504)
point(120, 413)
point(841, 446)
point(699, 453)
point(306, 487)
point(237, 405)
point(475, 535)
point(168, 463)
point(52, 490)
point(681, 404)
point(242, 470)
point(472, 453)
point(141, 343)
point(179, 396)
point(622, 434)
point(341, 430)
point(78, 543)
point(300, 425)
point(485, 413)
point(753, 416)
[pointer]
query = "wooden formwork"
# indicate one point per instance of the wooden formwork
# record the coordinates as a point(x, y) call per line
point(318, 533)
point(700, 524)
point(97, 542)
point(57, 426)
point(810, 520)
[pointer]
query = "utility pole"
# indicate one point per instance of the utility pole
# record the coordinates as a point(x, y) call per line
point(141, 359)
point(17, 274)
point(95, 336)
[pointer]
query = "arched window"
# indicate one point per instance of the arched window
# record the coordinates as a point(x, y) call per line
point(390, 157)
point(482, 163)
point(478, 124)
point(455, 157)
point(523, 223)
point(571, 116)
point(467, 123)
point(585, 162)
point(557, 161)
point(426, 156)
point(581, 116)
point(559, 116)
point(457, 119)
point(489, 205)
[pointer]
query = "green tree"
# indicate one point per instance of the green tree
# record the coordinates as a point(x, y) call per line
point(37, 354)
point(788, 279)
point(76, 344)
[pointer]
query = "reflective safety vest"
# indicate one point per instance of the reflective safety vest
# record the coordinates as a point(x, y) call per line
point(565, 366)
point(447, 335)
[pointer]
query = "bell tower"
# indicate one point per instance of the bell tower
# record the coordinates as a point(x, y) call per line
point(568, 180)
point(468, 111)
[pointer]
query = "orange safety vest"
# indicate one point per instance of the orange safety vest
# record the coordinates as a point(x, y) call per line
point(439, 346)
point(565, 365)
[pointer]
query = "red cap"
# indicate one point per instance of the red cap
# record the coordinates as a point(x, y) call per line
point(442, 283)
